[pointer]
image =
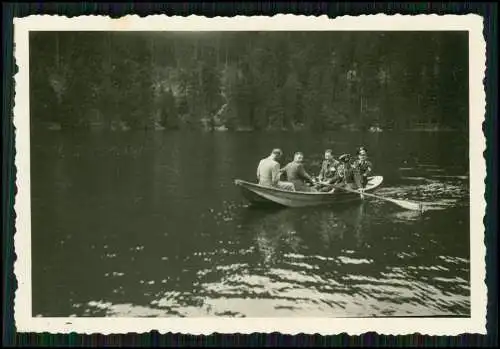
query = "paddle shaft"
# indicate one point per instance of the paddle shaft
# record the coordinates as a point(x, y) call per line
point(402, 203)
point(362, 193)
point(358, 192)
point(349, 190)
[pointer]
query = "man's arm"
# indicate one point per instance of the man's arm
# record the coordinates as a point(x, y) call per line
point(304, 174)
point(258, 170)
point(368, 168)
point(283, 170)
point(276, 173)
point(336, 165)
point(322, 172)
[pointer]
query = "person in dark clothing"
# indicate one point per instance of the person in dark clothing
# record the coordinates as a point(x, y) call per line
point(345, 171)
point(328, 167)
point(296, 173)
point(362, 168)
point(328, 175)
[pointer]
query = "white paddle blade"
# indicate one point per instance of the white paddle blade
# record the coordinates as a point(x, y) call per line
point(415, 206)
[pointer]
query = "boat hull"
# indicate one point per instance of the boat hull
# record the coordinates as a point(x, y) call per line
point(262, 195)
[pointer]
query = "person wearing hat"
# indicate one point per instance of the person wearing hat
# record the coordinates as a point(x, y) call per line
point(345, 168)
point(361, 149)
point(362, 168)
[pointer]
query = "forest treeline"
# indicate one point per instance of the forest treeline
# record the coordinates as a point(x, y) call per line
point(249, 80)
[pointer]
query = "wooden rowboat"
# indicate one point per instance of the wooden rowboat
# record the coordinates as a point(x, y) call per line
point(258, 194)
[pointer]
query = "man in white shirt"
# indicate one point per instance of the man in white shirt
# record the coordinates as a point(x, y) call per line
point(268, 172)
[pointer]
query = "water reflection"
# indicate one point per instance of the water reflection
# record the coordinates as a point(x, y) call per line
point(136, 225)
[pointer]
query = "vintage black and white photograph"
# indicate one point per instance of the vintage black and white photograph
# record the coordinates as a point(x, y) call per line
point(262, 172)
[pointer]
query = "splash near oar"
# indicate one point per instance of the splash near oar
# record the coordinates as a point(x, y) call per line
point(407, 204)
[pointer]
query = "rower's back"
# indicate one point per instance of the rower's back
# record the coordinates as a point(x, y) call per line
point(268, 172)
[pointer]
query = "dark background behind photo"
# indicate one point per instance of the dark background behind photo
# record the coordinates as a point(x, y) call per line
point(50, 120)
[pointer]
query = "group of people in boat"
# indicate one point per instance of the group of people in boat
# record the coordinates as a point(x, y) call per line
point(345, 171)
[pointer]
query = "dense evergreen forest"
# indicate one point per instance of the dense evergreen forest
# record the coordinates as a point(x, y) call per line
point(249, 80)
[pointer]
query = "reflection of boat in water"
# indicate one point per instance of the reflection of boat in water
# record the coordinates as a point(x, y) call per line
point(279, 233)
point(258, 194)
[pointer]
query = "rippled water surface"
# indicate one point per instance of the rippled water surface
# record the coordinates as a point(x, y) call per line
point(151, 224)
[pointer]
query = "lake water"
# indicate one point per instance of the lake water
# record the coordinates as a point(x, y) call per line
point(151, 224)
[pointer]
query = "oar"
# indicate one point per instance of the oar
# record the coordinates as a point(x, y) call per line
point(409, 205)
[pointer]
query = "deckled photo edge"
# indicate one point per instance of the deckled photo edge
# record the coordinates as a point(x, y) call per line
point(477, 146)
point(22, 267)
point(253, 23)
point(22, 233)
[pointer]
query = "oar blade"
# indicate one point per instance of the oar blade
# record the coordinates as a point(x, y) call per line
point(409, 205)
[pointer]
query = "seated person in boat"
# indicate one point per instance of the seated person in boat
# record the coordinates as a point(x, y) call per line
point(296, 174)
point(345, 171)
point(268, 171)
point(362, 168)
point(328, 175)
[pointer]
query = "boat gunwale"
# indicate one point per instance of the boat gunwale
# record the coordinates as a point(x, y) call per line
point(241, 181)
